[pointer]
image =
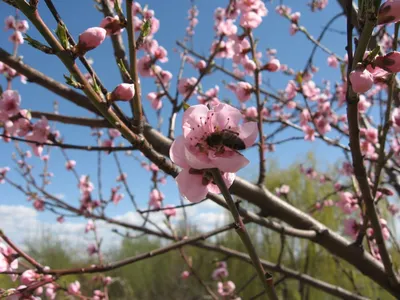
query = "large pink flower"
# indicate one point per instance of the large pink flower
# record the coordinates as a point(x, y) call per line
point(193, 153)
point(199, 122)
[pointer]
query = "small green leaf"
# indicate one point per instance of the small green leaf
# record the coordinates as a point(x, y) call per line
point(185, 106)
point(38, 45)
point(72, 82)
point(373, 53)
point(146, 28)
point(121, 65)
point(117, 7)
point(61, 33)
point(299, 77)
point(95, 86)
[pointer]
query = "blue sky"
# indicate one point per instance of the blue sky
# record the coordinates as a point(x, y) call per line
point(79, 15)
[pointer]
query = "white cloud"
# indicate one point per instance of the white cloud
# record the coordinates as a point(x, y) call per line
point(22, 223)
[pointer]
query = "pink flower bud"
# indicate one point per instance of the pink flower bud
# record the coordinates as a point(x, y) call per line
point(273, 65)
point(124, 92)
point(22, 26)
point(28, 277)
point(361, 81)
point(170, 212)
point(389, 12)
point(74, 288)
point(69, 165)
point(201, 64)
point(112, 25)
point(90, 39)
point(185, 274)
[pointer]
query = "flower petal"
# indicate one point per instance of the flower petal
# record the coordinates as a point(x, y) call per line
point(227, 116)
point(197, 160)
point(229, 178)
point(177, 152)
point(248, 132)
point(230, 162)
point(191, 186)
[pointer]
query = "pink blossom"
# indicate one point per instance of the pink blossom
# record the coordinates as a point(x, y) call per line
point(16, 38)
point(170, 212)
point(9, 23)
point(107, 280)
point(22, 26)
point(371, 134)
point(198, 123)
point(85, 185)
point(70, 164)
point(273, 65)
point(10, 102)
point(51, 291)
point(283, 10)
point(74, 288)
point(8, 262)
point(323, 125)
point(92, 249)
point(390, 62)
point(224, 50)
point(282, 190)
point(112, 25)
point(396, 118)
point(226, 289)
point(333, 61)
point(309, 133)
point(192, 152)
point(39, 205)
point(310, 90)
point(185, 274)
point(250, 20)
point(115, 196)
point(114, 133)
point(291, 90)
point(293, 29)
point(89, 226)
point(123, 92)
point(363, 104)
point(122, 177)
point(251, 112)
point(155, 100)
point(144, 66)
point(60, 219)
point(29, 277)
point(186, 86)
point(210, 97)
point(295, 17)
point(90, 39)
point(393, 209)
point(361, 81)
point(389, 12)
point(3, 172)
point(351, 227)
point(201, 65)
point(347, 202)
point(108, 143)
point(39, 134)
point(155, 198)
point(164, 76)
point(243, 91)
point(220, 273)
point(226, 27)
point(249, 65)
